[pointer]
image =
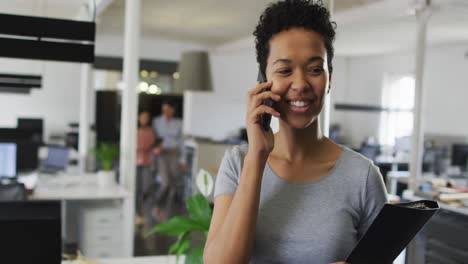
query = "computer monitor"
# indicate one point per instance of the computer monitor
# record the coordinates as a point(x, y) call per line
point(57, 157)
point(460, 155)
point(26, 147)
point(7, 160)
point(34, 125)
point(27, 156)
point(30, 232)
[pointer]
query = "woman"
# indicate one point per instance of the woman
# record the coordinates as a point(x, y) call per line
point(294, 196)
point(145, 142)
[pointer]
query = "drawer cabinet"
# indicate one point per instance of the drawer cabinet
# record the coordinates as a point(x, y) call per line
point(100, 230)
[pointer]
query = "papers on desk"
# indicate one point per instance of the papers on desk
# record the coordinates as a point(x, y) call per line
point(444, 194)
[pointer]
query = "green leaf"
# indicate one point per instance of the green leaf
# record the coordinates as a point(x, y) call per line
point(184, 245)
point(176, 245)
point(176, 226)
point(195, 256)
point(199, 210)
point(106, 154)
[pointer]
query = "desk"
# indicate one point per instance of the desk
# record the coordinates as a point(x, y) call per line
point(135, 260)
point(443, 238)
point(409, 195)
point(75, 187)
point(92, 216)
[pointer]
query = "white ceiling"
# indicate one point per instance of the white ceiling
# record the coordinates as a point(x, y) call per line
point(211, 22)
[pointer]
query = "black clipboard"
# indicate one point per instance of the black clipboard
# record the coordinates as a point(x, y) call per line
point(391, 231)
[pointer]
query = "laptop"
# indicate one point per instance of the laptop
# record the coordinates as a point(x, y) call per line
point(57, 160)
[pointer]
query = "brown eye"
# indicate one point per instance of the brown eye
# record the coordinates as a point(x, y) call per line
point(284, 71)
point(316, 70)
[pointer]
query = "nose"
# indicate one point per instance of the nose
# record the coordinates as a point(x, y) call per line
point(299, 82)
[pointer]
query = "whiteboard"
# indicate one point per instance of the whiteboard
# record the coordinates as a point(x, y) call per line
point(210, 115)
point(215, 116)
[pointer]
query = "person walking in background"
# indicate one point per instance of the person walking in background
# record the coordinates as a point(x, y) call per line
point(145, 142)
point(171, 159)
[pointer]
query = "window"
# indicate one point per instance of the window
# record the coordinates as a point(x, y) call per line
point(398, 101)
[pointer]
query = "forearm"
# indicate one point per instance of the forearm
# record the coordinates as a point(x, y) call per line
point(234, 241)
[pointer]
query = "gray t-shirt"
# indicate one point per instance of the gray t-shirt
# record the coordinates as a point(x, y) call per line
point(314, 222)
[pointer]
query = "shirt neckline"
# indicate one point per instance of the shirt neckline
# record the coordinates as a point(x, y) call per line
point(312, 182)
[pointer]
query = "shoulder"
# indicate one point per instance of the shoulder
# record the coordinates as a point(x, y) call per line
point(355, 159)
point(362, 177)
point(234, 158)
point(238, 150)
point(236, 154)
point(230, 170)
point(357, 167)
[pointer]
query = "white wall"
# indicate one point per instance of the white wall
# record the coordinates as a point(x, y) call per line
point(445, 78)
point(362, 84)
point(56, 102)
point(234, 68)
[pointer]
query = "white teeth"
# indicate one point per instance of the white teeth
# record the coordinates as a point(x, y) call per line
point(298, 103)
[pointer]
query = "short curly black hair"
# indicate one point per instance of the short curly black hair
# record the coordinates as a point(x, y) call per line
point(287, 14)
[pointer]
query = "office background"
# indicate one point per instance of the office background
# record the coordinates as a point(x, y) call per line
point(375, 51)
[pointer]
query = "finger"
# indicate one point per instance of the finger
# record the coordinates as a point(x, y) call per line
point(254, 116)
point(258, 99)
point(259, 87)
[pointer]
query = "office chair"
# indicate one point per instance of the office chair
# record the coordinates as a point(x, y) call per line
point(12, 192)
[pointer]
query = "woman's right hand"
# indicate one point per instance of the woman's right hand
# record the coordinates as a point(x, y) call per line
point(261, 141)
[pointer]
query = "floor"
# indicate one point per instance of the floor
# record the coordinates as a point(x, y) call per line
point(152, 214)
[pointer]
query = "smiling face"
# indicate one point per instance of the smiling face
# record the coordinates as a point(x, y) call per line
point(297, 65)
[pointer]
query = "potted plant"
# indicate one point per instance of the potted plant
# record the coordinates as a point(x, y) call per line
point(106, 154)
point(185, 228)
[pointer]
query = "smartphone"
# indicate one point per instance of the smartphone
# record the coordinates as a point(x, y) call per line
point(265, 119)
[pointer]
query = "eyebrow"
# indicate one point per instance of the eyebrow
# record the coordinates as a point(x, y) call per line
point(310, 60)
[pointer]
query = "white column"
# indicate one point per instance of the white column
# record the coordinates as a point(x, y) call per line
point(129, 117)
point(86, 99)
point(417, 139)
point(86, 92)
